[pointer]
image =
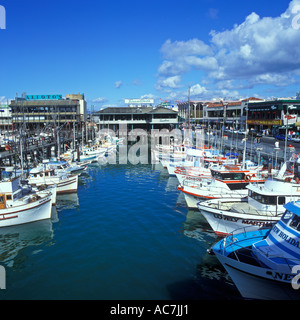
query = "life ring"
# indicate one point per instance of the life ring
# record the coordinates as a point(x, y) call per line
point(247, 178)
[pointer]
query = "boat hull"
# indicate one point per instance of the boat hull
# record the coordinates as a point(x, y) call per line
point(68, 185)
point(257, 282)
point(26, 213)
point(224, 222)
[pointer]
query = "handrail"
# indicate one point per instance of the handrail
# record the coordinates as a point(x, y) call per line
point(221, 190)
point(260, 212)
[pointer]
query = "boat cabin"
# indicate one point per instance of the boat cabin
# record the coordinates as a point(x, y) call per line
point(280, 250)
point(266, 199)
point(10, 189)
point(234, 179)
point(37, 174)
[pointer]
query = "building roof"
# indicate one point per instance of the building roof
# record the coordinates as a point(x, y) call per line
point(32, 103)
point(252, 99)
point(135, 110)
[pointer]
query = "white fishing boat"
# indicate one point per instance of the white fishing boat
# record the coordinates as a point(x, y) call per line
point(174, 153)
point(227, 182)
point(18, 206)
point(63, 166)
point(201, 168)
point(86, 153)
point(263, 206)
point(264, 264)
point(195, 174)
point(65, 183)
point(191, 158)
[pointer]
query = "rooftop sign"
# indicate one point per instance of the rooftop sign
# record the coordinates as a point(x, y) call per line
point(44, 97)
point(139, 101)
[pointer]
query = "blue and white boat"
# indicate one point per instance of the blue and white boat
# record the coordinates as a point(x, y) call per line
point(264, 263)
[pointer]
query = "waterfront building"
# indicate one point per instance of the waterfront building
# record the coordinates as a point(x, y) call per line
point(35, 113)
point(5, 118)
point(274, 116)
point(213, 114)
point(195, 108)
point(82, 105)
point(146, 118)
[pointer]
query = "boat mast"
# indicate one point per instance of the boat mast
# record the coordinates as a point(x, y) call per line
point(246, 133)
point(188, 124)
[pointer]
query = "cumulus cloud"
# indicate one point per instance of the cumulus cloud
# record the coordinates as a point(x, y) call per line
point(260, 50)
point(197, 90)
point(118, 84)
point(149, 96)
point(258, 46)
point(170, 82)
point(192, 47)
point(99, 100)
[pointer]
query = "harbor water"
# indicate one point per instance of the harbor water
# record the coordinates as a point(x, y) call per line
point(126, 235)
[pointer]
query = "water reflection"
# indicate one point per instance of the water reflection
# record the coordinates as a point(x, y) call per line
point(210, 277)
point(15, 239)
point(196, 226)
point(67, 201)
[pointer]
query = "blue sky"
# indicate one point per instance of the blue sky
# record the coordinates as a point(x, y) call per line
point(113, 50)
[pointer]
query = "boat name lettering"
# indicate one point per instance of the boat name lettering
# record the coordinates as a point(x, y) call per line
point(193, 178)
point(286, 237)
point(282, 276)
point(255, 223)
point(219, 216)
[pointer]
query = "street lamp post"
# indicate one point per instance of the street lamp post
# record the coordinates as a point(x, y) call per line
point(286, 128)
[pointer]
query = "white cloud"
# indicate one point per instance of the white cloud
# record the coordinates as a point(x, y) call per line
point(197, 90)
point(193, 47)
point(167, 83)
point(260, 50)
point(99, 100)
point(118, 84)
point(259, 46)
point(149, 96)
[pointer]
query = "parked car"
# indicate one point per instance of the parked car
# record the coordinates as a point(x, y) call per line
point(281, 137)
point(241, 132)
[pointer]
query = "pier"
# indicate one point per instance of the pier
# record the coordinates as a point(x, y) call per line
point(37, 148)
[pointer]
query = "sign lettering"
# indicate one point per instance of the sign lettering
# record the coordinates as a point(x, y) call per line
point(44, 97)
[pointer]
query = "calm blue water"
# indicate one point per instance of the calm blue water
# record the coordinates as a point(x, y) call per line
point(126, 235)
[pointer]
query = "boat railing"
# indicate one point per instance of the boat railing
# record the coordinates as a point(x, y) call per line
point(246, 233)
point(290, 262)
point(206, 183)
point(221, 206)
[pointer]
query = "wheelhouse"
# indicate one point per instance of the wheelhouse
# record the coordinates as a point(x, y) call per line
point(267, 199)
